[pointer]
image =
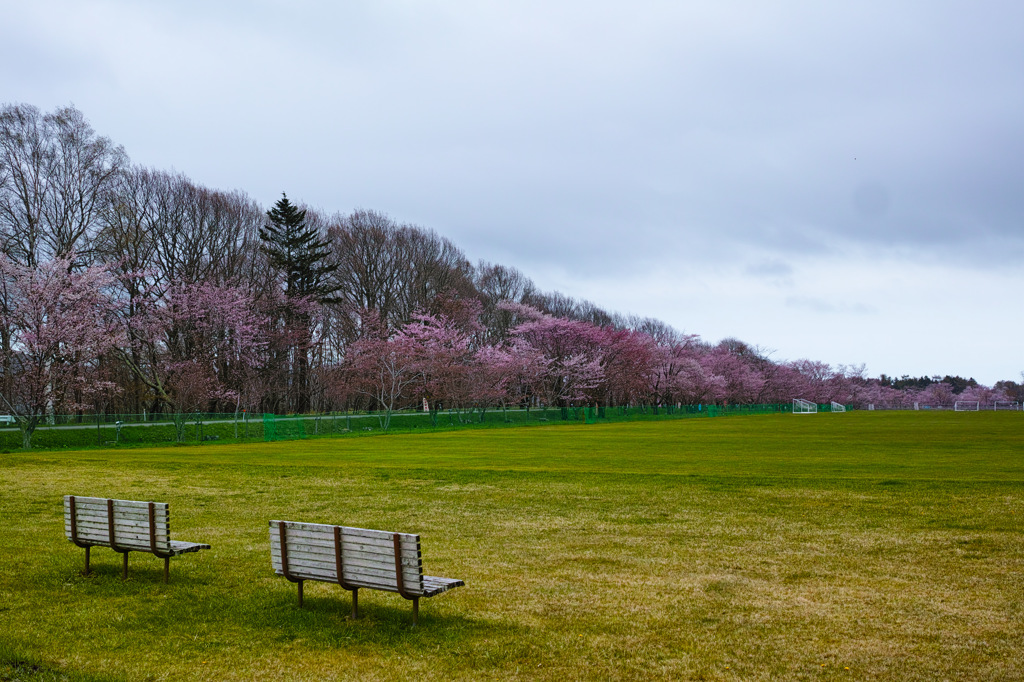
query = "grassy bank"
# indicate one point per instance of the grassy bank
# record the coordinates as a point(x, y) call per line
point(856, 546)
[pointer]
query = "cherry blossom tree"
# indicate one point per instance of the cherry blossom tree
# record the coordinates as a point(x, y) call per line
point(60, 322)
point(573, 353)
point(443, 362)
point(192, 344)
point(512, 374)
point(631, 364)
point(686, 376)
point(383, 366)
point(939, 394)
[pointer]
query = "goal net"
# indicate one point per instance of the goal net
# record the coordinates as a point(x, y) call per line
point(1005, 405)
point(967, 405)
point(838, 407)
point(801, 406)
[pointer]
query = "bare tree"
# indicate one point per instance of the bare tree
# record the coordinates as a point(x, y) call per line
point(496, 283)
point(55, 176)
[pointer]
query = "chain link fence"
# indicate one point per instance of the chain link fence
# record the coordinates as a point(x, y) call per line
point(90, 430)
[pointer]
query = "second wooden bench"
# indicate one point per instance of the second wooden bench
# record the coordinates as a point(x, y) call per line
point(354, 558)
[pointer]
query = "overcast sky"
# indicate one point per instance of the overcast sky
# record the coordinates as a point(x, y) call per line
point(841, 181)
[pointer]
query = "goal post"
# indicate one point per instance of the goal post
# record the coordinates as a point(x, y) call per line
point(801, 406)
point(1005, 405)
point(967, 405)
point(838, 407)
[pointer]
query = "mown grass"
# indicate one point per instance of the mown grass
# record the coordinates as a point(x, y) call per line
point(856, 546)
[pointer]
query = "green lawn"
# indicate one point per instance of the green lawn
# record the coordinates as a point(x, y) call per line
point(865, 545)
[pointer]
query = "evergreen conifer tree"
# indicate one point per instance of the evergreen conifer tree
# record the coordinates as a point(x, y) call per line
point(297, 250)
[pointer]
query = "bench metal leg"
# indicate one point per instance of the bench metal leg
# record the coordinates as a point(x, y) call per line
point(86, 560)
point(355, 603)
point(124, 569)
point(415, 610)
point(167, 568)
point(300, 592)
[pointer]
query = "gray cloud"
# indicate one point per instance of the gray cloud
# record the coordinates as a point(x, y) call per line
point(829, 307)
point(705, 140)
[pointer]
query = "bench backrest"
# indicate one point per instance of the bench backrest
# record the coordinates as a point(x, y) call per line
point(140, 526)
point(366, 558)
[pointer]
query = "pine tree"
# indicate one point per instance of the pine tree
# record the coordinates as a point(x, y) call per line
point(296, 249)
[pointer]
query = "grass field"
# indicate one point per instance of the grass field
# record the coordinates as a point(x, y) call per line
point(866, 545)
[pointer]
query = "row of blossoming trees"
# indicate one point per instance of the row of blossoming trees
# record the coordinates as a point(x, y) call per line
point(207, 347)
point(124, 289)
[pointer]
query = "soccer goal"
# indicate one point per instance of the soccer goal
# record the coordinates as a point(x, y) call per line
point(1005, 405)
point(801, 406)
point(967, 405)
point(838, 407)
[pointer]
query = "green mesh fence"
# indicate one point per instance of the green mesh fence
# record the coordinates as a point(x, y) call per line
point(88, 430)
point(284, 428)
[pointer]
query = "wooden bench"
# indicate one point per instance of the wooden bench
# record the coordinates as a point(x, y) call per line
point(124, 526)
point(354, 558)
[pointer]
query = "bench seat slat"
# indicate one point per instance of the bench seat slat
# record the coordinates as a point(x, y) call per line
point(182, 547)
point(435, 585)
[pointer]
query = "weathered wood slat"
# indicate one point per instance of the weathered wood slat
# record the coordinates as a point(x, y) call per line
point(161, 530)
point(349, 571)
point(132, 513)
point(360, 558)
point(327, 573)
point(433, 585)
point(103, 529)
point(103, 538)
point(133, 545)
point(324, 535)
point(379, 554)
point(99, 504)
point(181, 547)
point(368, 582)
point(346, 530)
point(357, 545)
point(413, 566)
point(126, 537)
point(124, 506)
point(102, 501)
point(101, 520)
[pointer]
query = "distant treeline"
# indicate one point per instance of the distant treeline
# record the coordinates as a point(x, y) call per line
point(130, 289)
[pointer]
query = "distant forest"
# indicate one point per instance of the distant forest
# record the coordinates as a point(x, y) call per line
point(131, 289)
